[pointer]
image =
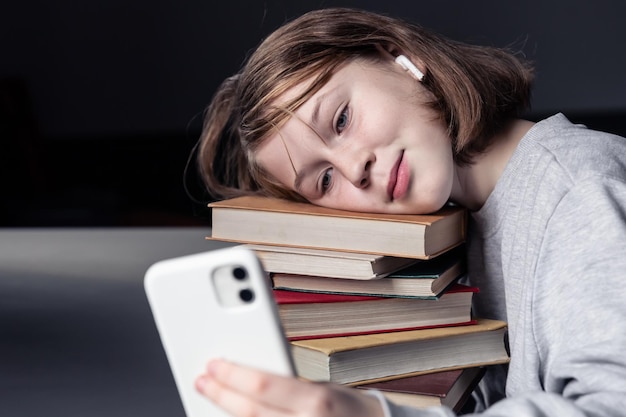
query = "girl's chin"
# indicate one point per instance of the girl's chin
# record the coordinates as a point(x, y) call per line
point(423, 207)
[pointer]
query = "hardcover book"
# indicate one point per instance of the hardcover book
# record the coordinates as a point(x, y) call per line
point(422, 279)
point(314, 315)
point(448, 388)
point(383, 356)
point(328, 263)
point(264, 220)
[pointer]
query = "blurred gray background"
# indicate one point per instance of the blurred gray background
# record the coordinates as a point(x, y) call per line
point(77, 338)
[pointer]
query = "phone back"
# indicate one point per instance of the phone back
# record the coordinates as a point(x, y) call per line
point(216, 304)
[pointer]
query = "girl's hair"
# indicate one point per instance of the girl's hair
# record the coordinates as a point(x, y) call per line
point(476, 90)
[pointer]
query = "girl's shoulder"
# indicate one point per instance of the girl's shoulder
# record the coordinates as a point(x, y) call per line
point(580, 151)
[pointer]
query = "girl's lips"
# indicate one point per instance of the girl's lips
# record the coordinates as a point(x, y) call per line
point(402, 179)
point(397, 182)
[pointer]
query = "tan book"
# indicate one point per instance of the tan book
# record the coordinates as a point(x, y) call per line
point(328, 263)
point(263, 220)
point(372, 357)
point(449, 388)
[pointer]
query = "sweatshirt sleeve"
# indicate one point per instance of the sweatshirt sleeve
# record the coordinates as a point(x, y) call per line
point(578, 312)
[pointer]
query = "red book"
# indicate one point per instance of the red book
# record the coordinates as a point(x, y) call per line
point(306, 315)
point(449, 388)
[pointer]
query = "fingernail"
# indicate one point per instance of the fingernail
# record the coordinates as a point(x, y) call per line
point(211, 367)
point(200, 383)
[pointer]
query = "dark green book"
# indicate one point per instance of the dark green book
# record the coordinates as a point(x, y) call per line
point(423, 279)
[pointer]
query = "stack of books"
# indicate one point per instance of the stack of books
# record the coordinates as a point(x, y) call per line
point(370, 300)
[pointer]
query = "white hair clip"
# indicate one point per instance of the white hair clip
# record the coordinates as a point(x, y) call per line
point(410, 67)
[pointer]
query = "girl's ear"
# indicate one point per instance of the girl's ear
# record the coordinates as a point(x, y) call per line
point(415, 68)
point(389, 51)
point(408, 65)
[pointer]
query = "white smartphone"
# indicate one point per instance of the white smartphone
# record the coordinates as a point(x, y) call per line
point(216, 304)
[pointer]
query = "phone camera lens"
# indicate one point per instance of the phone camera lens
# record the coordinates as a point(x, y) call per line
point(246, 295)
point(239, 273)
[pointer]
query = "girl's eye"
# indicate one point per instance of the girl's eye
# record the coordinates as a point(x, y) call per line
point(327, 179)
point(342, 120)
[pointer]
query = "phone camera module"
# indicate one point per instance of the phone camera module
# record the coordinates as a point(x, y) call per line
point(246, 295)
point(239, 273)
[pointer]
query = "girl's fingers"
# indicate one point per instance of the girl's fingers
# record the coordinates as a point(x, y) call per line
point(234, 402)
point(244, 391)
point(262, 386)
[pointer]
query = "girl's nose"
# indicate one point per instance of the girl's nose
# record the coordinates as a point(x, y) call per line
point(365, 176)
point(356, 166)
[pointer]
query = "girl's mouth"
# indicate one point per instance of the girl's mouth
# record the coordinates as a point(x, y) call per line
point(398, 179)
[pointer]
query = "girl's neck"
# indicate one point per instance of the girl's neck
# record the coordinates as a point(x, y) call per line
point(474, 183)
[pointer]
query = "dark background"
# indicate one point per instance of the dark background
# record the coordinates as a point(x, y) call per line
point(101, 101)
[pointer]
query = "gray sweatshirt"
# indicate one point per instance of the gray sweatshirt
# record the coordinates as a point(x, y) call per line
point(548, 252)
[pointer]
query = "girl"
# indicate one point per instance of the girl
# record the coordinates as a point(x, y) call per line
point(354, 110)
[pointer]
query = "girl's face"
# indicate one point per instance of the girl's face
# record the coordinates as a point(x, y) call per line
point(364, 142)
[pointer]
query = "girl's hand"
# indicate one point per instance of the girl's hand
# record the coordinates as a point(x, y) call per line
point(243, 391)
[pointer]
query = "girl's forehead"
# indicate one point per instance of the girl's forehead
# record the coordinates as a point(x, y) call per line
point(299, 87)
point(282, 112)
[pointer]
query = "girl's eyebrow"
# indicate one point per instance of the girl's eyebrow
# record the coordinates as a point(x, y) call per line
point(315, 114)
point(300, 175)
point(293, 166)
point(297, 183)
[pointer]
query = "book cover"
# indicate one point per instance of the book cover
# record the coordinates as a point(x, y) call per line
point(380, 356)
point(449, 388)
point(315, 315)
point(423, 279)
point(264, 220)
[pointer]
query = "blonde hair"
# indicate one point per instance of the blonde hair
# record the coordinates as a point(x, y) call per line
point(476, 90)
